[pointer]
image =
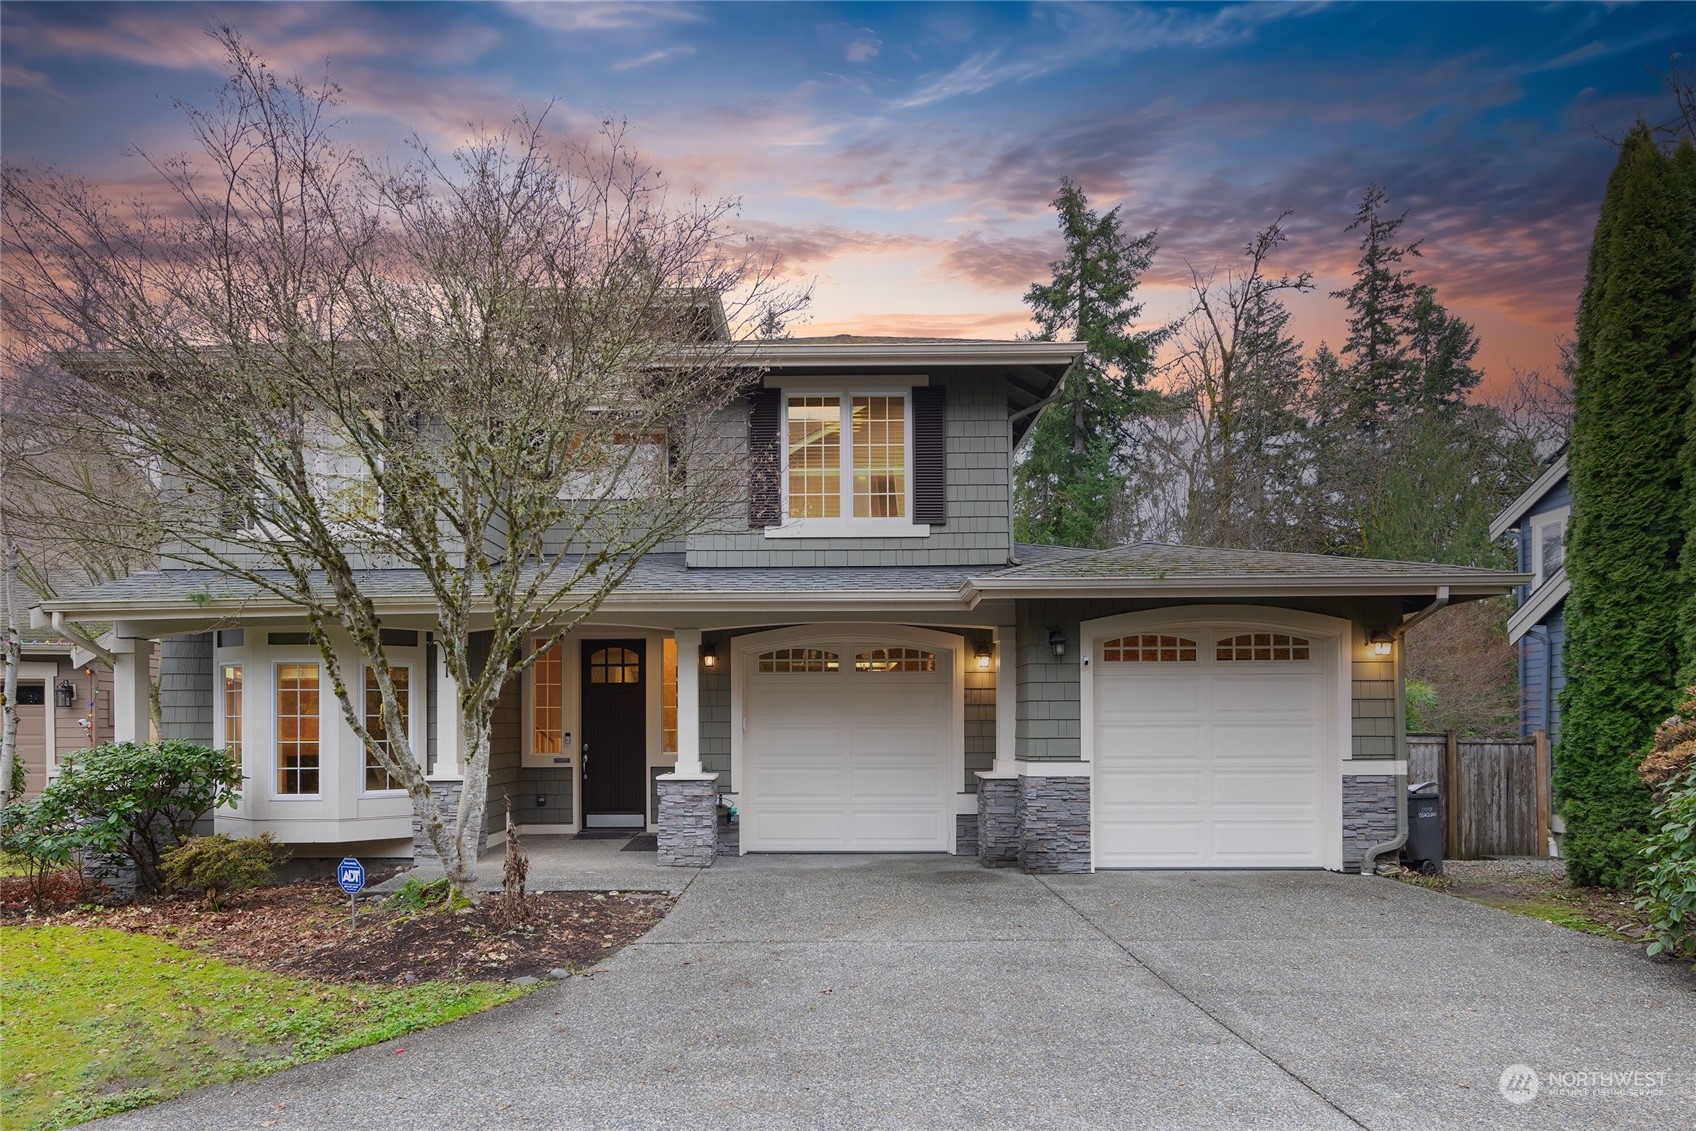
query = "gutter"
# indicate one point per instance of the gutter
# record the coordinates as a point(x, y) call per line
point(1369, 861)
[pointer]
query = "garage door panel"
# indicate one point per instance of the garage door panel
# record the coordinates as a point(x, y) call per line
point(803, 784)
point(893, 782)
point(1179, 787)
point(1247, 841)
point(1142, 744)
point(799, 828)
point(1261, 692)
point(890, 829)
point(1273, 742)
point(1173, 843)
point(1153, 693)
point(1265, 790)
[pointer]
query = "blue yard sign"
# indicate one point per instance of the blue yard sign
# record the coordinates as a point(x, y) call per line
point(350, 874)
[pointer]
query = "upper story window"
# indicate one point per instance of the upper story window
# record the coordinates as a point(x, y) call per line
point(845, 456)
point(1548, 544)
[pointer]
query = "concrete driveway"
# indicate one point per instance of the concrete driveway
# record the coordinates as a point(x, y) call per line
point(927, 992)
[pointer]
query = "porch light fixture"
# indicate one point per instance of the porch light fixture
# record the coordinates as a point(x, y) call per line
point(709, 656)
point(1057, 641)
point(65, 695)
point(1381, 642)
point(983, 655)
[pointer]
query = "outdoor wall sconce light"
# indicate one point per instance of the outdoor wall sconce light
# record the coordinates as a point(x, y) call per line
point(65, 695)
point(709, 656)
point(1382, 642)
point(1057, 641)
point(983, 655)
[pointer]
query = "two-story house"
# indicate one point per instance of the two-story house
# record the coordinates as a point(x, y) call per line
point(1537, 629)
point(866, 661)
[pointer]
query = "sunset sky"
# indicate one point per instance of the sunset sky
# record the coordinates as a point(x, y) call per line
point(905, 155)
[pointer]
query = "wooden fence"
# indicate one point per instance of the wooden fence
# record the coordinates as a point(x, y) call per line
point(1495, 792)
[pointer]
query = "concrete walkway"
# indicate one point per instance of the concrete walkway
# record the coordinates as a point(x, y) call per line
point(927, 992)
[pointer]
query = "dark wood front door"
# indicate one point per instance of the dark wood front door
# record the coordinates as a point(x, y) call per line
point(615, 712)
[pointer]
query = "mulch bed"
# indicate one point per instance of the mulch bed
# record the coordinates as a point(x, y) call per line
point(1509, 890)
point(302, 929)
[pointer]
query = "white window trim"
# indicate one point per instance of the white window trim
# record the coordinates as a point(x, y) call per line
point(413, 731)
point(1537, 524)
point(848, 526)
point(273, 753)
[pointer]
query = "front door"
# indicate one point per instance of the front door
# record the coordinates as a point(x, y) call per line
point(615, 711)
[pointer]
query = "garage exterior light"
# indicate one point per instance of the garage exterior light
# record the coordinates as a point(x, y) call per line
point(709, 656)
point(1382, 643)
point(983, 652)
point(1057, 641)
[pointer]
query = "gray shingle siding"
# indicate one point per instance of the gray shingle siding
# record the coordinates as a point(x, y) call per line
point(186, 687)
point(979, 530)
point(980, 718)
point(1373, 734)
point(715, 712)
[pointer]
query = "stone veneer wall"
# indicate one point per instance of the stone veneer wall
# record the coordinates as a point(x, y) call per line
point(688, 826)
point(965, 834)
point(1053, 817)
point(445, 794)
point(1369, 815)
point(998, 822)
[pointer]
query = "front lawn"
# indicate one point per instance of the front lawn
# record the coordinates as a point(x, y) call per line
point(95, 1021)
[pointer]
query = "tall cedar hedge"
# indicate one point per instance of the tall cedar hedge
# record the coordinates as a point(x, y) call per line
point(1685, 162)
point(1632, 397)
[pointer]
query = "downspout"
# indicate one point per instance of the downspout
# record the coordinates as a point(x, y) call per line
point(1369, 861)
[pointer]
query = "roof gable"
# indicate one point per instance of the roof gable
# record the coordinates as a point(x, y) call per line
point(1546, 482)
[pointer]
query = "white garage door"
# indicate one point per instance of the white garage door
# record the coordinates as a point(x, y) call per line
point(847, 748)
point(1207, 747)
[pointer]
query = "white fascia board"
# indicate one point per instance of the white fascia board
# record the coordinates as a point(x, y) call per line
point(1528, 498)
point(1541, 604)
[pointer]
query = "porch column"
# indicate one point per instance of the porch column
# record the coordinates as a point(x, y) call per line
point(688, 819)
point(688, 700)
point(1006, 699)
point(132, 685)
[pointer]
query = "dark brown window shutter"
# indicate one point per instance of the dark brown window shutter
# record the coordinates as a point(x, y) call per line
point(765, 492)
point(930, 454)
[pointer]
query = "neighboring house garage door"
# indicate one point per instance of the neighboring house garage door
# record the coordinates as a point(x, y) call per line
point(1209, 746)
point(847, 747)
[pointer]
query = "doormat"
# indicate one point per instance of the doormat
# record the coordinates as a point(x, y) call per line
point(603, 834)
point(646, 842)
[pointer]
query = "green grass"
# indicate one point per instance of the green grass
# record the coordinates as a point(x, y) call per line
point(1560, 914)
point(95, 1021)
point(11, 865)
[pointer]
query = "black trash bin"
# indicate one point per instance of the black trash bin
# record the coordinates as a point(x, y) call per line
point(1424, 847)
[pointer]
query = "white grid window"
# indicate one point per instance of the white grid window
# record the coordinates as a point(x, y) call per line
point(895, 660)
point(547, 708)
point(1263, 646)
point(231, 680)
point(880, 457)
point(815, 457)
point(1149, 648)
point(799, 660)
point(297, 728)
point(376, 777)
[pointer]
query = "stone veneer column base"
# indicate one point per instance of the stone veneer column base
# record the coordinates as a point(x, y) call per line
point(998, 822)
point(688, 825)
point(1053, 817)
point(445, 795)
point(1369, 816)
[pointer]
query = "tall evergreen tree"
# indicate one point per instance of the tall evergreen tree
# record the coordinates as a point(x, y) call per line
point(1380, 302)
point(1631, 394)
point(1685, 166)
point(1070, 478)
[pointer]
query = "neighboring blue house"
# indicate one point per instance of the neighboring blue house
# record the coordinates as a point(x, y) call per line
point(1538, 521)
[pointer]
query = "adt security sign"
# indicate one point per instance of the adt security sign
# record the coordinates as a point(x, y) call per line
point(350, 874)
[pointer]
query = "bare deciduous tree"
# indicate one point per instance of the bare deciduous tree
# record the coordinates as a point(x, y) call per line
point(490, 368)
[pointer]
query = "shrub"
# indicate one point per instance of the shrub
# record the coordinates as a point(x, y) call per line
point(1421, 705)
point(134, 801)
point(44, 836)
point(1675, 747)
point(415, 897)
point(222, 865)
point(1668, 888)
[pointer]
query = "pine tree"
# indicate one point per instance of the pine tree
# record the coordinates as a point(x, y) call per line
point(1070, 478)
point(1631, 399)
point(1380, 302)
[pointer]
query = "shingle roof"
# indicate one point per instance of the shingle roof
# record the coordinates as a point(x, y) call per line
point(1155, 561)
point(1145, 569)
